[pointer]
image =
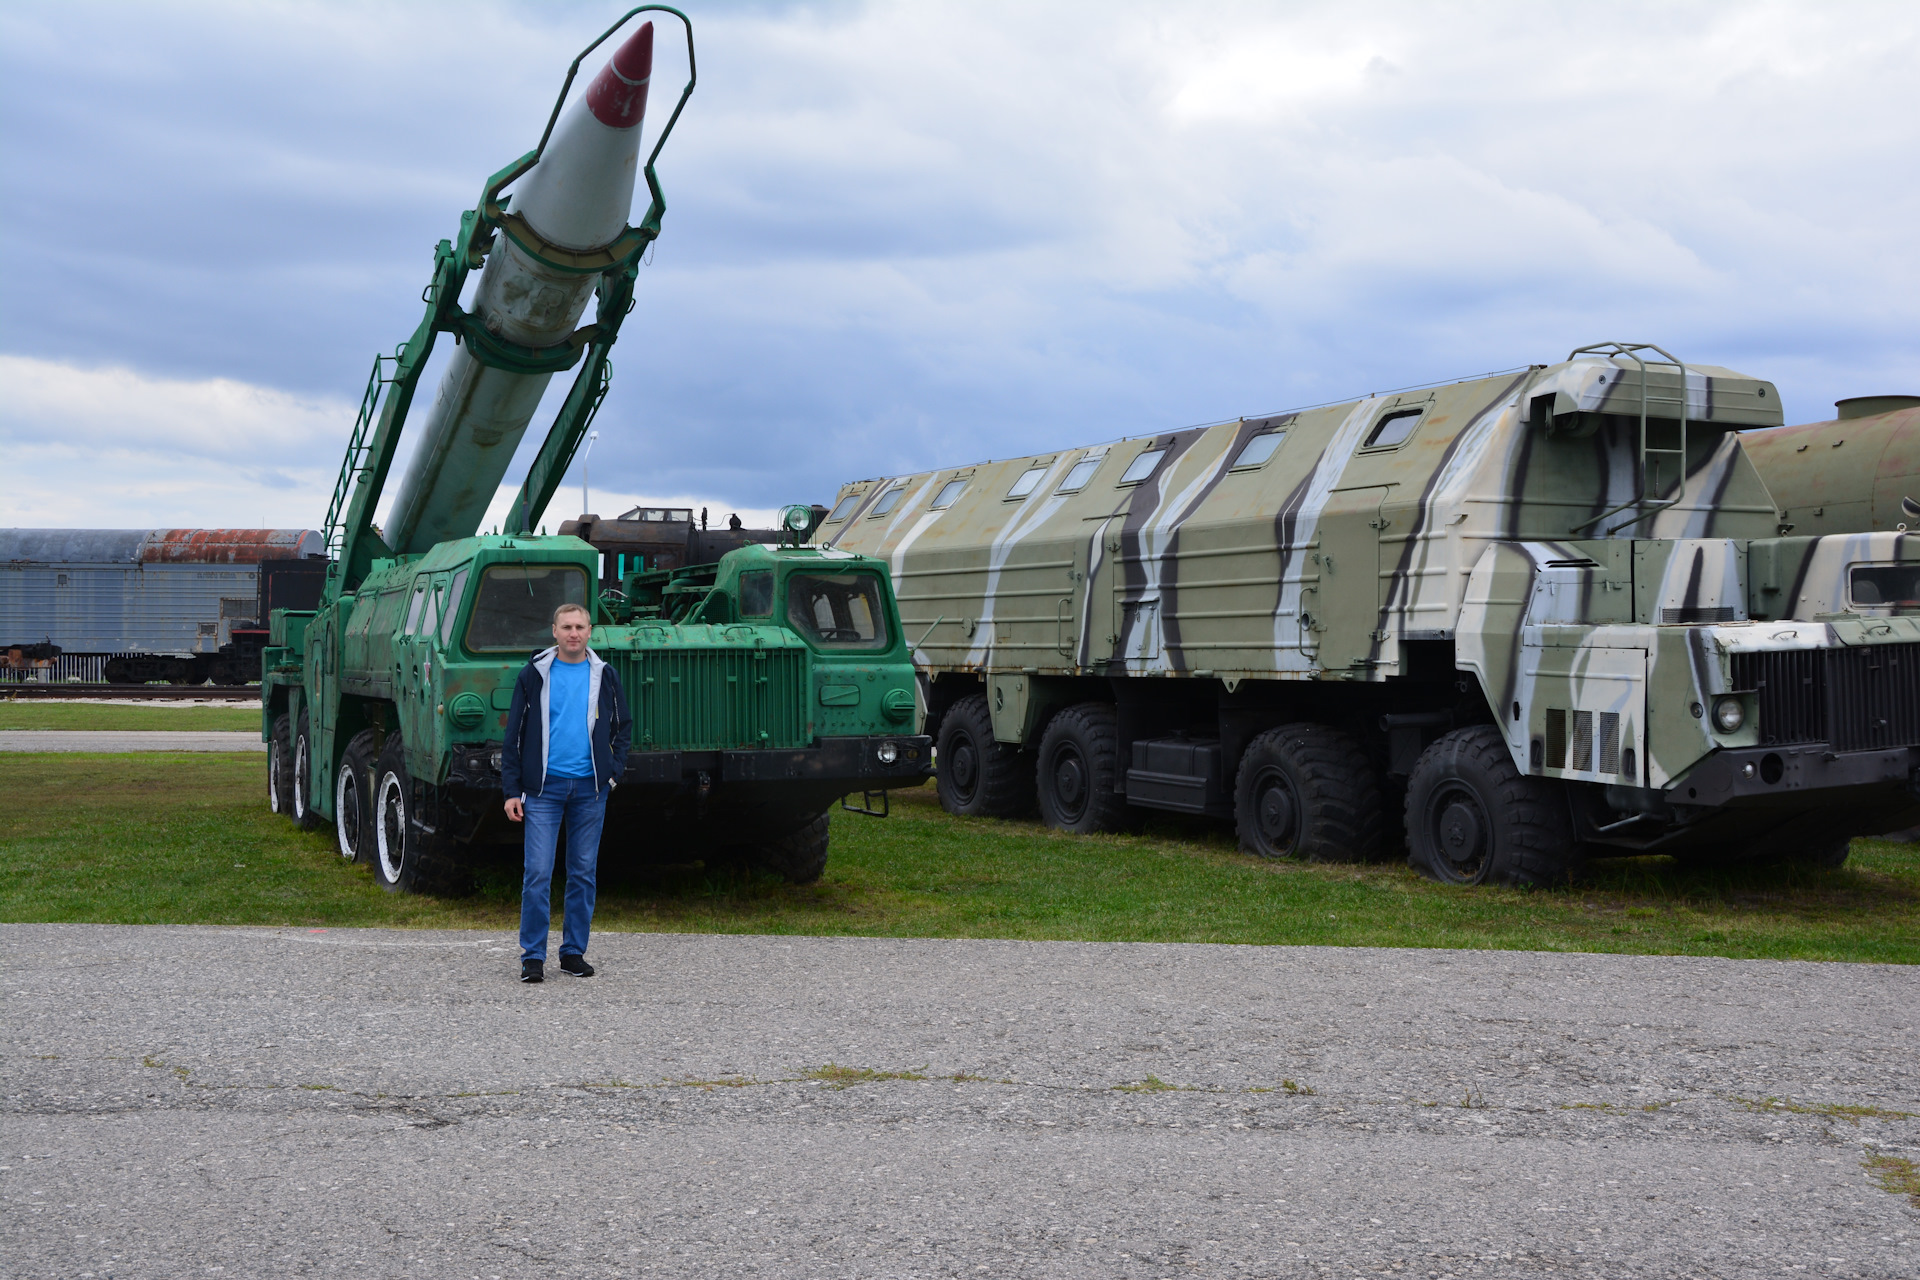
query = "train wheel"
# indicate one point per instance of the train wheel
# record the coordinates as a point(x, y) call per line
point(280, 768)
point(303, 815)
point(798, 857)
point(406, 857)
point(352, 798)
point(1473, 818)
point(1075, 779)
point(979, 777)
point(1307, 791)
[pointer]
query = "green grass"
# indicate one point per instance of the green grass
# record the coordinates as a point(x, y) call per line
point(186, 838)
point(120, 719)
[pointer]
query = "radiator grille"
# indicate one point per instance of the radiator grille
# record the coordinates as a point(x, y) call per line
point(711, 699)
point(1853, 699)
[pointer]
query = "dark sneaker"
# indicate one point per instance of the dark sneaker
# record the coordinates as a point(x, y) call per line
point(534, 970)
point(576, 965)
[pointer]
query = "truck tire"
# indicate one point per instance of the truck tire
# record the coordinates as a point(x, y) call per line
point(798, 857)
point(302, 789)
point(1307, 791)
point(353, 798)
point(280, 767)
point(406, 857)
point(1079, 756)
point(980, 778)
point(1473, 818)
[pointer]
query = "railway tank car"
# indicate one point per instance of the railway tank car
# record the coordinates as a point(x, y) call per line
point(1857, 472)
point(132, 606)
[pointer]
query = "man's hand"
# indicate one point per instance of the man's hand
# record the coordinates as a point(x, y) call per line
point(516, 809)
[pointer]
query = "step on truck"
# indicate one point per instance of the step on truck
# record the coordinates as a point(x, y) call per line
point(763, 688)
point(1506, 624)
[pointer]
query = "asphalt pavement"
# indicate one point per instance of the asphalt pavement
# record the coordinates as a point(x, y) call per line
point(201, 1101)
point(130, 740)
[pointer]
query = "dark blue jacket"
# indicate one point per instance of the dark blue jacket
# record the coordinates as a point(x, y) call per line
point(523, 757)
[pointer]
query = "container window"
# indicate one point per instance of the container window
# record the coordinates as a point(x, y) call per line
point(1393, 428)
point(1081, 473)
point(513, 609)
point(888, 501)
point(756, 594)
point(1143, 466)
point(1886, 584)
point(948, 492)
point(838, 611)
point(1029, 480)
point(1257, 450)
point(844, 507)
point(458, 589)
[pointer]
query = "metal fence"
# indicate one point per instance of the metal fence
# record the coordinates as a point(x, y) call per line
point(90, 668)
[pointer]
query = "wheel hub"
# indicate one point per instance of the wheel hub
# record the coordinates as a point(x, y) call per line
point(1462, 835)
point(392, 828)
point(965, 768)
point(1276, 814)
point(1070, 782)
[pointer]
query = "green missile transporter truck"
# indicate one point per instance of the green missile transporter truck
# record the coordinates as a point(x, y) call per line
point(1512, 622)
point(763, 687)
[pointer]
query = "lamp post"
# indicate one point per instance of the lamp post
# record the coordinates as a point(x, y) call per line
point(585, 509)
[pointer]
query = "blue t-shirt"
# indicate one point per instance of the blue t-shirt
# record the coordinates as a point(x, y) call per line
point(569, 744)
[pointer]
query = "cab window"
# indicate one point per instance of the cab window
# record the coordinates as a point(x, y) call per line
point(756, 593)
point(513, 609)
point(453, 606)
point(838, 610)
point(413, 610)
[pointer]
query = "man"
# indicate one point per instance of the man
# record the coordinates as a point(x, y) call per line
point(567, 736)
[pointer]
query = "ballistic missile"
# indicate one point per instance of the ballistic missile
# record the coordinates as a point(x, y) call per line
point(577, 197)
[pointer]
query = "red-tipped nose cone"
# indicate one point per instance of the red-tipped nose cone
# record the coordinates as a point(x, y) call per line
point(618, 95)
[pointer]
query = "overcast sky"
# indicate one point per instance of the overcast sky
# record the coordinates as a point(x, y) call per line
point(909, 235)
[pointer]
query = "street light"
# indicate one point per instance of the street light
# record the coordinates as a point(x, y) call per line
point(585, 507)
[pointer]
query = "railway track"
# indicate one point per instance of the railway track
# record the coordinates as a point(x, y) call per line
point(139, 692)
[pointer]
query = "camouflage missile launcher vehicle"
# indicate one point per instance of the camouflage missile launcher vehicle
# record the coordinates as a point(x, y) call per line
point(762, 687)
point(1514, 621)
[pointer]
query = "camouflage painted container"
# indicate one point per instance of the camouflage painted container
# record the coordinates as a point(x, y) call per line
point(1316, 614)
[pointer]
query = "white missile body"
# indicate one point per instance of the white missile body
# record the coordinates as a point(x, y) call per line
point(578, 197)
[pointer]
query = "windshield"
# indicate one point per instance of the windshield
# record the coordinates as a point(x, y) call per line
point(838, 611)
point(513, 609)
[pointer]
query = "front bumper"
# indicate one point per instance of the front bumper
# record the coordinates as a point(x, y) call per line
point(1747, 774)
point(852, 764)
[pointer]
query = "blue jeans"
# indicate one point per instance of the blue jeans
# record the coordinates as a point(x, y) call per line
point(575, 800)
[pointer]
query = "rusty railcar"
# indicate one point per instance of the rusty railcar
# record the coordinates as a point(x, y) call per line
point(1857, 472)
point(1513, 621)
point(186, 606)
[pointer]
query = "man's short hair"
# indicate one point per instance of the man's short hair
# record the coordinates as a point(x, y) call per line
point(571, 608)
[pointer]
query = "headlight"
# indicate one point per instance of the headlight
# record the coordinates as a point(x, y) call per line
point(1728, 715)
point(888, 752)
point(796, 517)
